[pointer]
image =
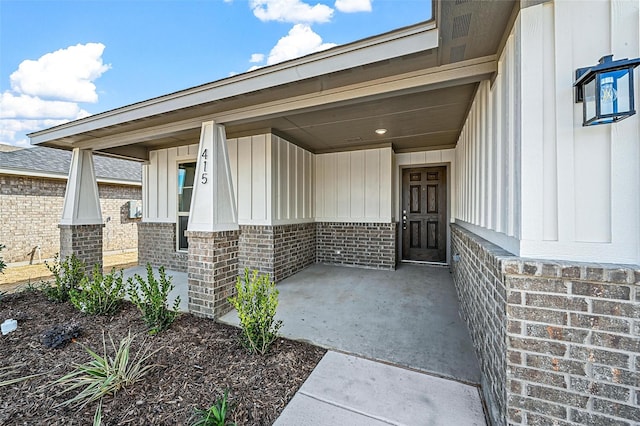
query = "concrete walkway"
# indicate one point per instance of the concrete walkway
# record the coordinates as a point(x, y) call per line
point(346, 390)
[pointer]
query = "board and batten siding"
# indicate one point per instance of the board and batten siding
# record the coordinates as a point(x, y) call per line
point(272, 181)
point(487, 155)
point(160, 182)
point(528, 176)
point(354, 186)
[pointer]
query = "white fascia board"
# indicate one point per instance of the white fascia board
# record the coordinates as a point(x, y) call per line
point(398, 43)
point(118, 182)
point(48, 175)
point(30, 173)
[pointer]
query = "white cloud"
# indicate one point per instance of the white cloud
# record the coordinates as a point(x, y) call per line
point(25, 106)
point(22, 143)
point(47, 92)
point(294, 11)
point(66, 74)
point(300, 41)
point(351, 6)
point(10, 129)
point(257, 58)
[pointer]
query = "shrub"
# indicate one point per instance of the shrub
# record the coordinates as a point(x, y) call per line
point(31, 287)
point(216, 415)
point(2, 264)
point(256, 302)
point(60, 335)
point(99, 295)
point(105, 375)
point(150, 297)
point(67, 274)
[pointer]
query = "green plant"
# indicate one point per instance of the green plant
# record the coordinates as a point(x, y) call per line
point(104, 374)
point(100, 294)
point(256, 302)
point(216, 415)
point(31, 287)
point(150, 296)
point(97, 417)
point(5, 372)
point(3, 265)
point(67, 273)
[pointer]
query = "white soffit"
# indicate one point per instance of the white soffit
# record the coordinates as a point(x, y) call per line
point(394, 44)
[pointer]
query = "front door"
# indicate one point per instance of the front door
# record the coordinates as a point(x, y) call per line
point(424, 214)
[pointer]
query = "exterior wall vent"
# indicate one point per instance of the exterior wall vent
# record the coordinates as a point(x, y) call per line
point(461, 26)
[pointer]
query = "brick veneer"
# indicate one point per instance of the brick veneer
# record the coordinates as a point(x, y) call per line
point(367, 245)
point(280, 250)
point(256, 244)
point(294, 248)
point(572, 336)
point(213, 270)
point(120, 231)
point(482, 295)
point(29, 203)
point(85, 241)
point(157, 246)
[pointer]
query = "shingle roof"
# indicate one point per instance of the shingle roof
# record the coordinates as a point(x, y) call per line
point(57, 161)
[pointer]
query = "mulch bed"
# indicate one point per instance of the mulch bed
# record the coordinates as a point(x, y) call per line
point(200, 358)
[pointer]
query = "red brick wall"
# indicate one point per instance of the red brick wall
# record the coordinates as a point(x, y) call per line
point(213, 270)
point(157, 246)
point(558, 342)
point(368, 245)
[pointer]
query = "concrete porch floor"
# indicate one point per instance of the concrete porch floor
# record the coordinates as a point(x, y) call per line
point(408, 317)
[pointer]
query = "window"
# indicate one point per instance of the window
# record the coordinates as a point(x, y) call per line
point(186, 174)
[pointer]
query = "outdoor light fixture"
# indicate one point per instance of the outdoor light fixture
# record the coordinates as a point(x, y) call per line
point(381, 131)
point(606, 90)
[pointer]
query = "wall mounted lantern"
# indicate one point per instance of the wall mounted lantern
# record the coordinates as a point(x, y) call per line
point(606, 90)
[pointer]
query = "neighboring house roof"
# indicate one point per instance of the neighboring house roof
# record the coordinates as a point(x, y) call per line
point(51, 162)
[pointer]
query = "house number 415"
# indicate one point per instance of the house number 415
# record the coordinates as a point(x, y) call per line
point(203, 177)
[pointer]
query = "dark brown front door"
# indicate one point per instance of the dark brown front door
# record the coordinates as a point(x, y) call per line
point(424, 214)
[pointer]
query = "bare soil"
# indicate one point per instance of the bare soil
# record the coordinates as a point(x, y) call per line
point(199, 359)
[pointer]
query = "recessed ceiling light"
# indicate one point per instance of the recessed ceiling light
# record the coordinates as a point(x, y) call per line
point(381, 131)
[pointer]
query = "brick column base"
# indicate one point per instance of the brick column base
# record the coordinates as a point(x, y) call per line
point(85, 241)
point(212, 271)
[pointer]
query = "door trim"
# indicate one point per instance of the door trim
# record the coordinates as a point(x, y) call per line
point(448, 188)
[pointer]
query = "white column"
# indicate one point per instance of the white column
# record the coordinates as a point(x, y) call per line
point(81, 199)
point(213, 205)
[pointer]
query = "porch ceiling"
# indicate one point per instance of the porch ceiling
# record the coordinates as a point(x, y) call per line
point(421, 96)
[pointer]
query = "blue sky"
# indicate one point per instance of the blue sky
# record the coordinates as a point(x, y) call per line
point(63, 60)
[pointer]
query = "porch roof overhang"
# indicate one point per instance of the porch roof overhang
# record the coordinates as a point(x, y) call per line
point(417, 82)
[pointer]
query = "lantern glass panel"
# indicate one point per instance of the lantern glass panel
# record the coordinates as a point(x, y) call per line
point(614, 92)
point(589, 90)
